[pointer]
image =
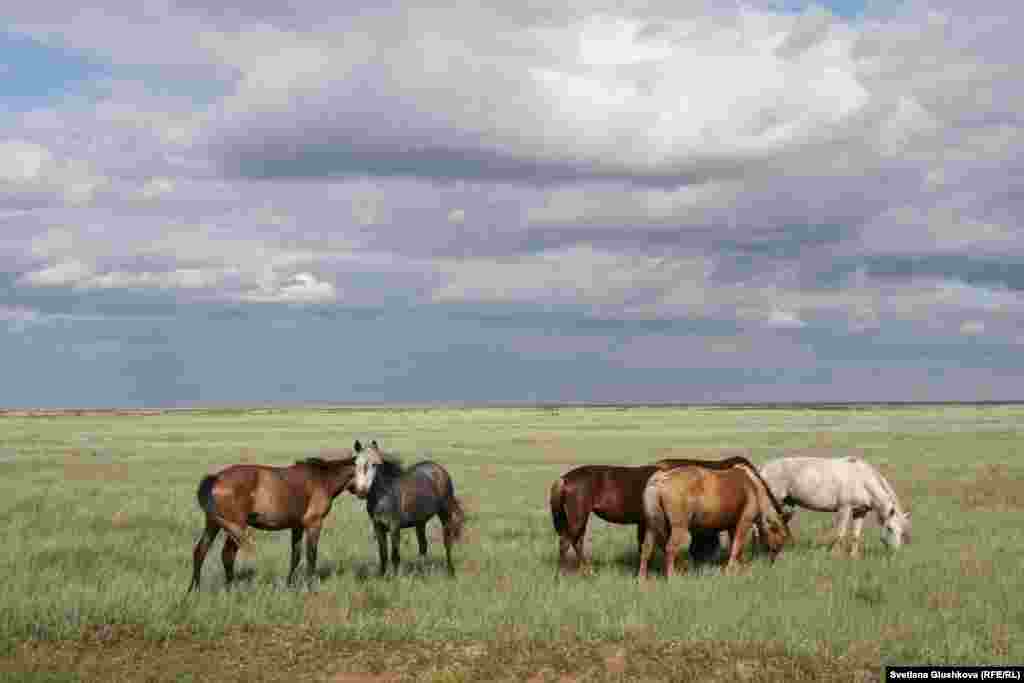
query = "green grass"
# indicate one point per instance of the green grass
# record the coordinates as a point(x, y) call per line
point(100, 517)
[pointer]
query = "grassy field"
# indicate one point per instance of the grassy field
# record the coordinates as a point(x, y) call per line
point(100, 516)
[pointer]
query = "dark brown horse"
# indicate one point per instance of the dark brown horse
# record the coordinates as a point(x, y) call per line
point(297, 497)
point(615, 494)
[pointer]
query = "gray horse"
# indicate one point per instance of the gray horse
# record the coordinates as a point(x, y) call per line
point(847, 486)
point(398, 498)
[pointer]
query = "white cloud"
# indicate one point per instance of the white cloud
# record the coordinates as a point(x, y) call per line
point(69, 272)
point(972, 328)
point(30, 171)
point(21, 161)
point(779, 318)
point(156, 187)
point(297, 288)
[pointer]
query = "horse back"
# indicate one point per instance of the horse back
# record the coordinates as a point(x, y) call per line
point(613, 492)
point(273, 493)
point(415, 496)
point(708, 497)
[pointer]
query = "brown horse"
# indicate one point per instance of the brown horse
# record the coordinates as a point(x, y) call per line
point(682, 500)
point(615, 494)
point(297, 497)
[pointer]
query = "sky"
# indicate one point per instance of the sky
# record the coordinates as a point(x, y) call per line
point(589, 201)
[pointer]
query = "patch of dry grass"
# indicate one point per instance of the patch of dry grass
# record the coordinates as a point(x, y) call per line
point(994, 488)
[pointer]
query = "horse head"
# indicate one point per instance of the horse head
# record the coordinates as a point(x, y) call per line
point(774, 532)
point(895, 528)
point(367, 461)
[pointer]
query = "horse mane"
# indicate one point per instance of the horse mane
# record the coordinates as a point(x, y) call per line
point(322, 464)
point(884, 483)
point(725, 464)
point(390, 464)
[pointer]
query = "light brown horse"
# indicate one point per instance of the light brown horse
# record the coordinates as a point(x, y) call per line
point(685, 499)
point(615, 494)
point(297, 497)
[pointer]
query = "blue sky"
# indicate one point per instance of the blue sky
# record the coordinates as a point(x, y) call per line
point(761, 201)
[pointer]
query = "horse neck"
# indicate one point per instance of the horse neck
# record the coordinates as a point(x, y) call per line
point(764, 499)
point(337, 479)
point(882, 496)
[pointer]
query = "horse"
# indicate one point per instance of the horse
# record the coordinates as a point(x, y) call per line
point(681, 500)
point(615, 494)
point(296, 497)
point(398, 498)
point(848, 486)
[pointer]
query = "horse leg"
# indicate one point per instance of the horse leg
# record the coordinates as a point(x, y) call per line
point(396, 538)
point(739, 541)
point(641, 534)
point(449, 538)
point(858, 526)
point(382, 546)
point(312, 543)
point(646, 549)
point(296, 551)
point(421, 537)
point(678, 540)
point(577, 513)
point(199, 552)
point(227, 557)
point(842, 521)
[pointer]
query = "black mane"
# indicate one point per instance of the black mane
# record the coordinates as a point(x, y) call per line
point(390, 466)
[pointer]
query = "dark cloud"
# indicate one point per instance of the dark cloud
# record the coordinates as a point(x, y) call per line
point(479, 201)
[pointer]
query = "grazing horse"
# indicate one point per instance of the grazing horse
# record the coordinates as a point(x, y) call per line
point(848, 486)
point(297, 497)
point(398, 498)
point(685, 499)
point(615, 494)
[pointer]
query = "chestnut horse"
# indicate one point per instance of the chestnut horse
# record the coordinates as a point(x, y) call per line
point(297, 497)
point(679, 501)
point(615, 494)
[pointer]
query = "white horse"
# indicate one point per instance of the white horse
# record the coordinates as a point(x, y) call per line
point(848, 486)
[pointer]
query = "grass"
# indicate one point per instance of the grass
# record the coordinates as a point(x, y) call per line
point(101, 516)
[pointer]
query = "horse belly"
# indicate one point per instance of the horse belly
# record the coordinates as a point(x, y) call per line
point(418, 511)
point(616, 507)
point(714, 520)
point(275, 506)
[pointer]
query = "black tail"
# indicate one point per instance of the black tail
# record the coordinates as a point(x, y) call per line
point(205, 495)
point(558, 517)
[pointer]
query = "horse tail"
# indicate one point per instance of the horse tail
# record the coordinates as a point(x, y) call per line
point(204, 494)
point(654, 508)
point(456, 518)
point(556, 499)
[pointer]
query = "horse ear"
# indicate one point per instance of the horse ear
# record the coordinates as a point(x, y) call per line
point(357, 447)
point(892, 513)
point(906, 515)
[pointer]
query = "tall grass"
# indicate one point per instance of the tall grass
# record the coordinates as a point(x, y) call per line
point(100, 517)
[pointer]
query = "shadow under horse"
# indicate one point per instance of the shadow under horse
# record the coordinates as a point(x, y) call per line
point(615, 494)
point(297, 497)
point(398, 498)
